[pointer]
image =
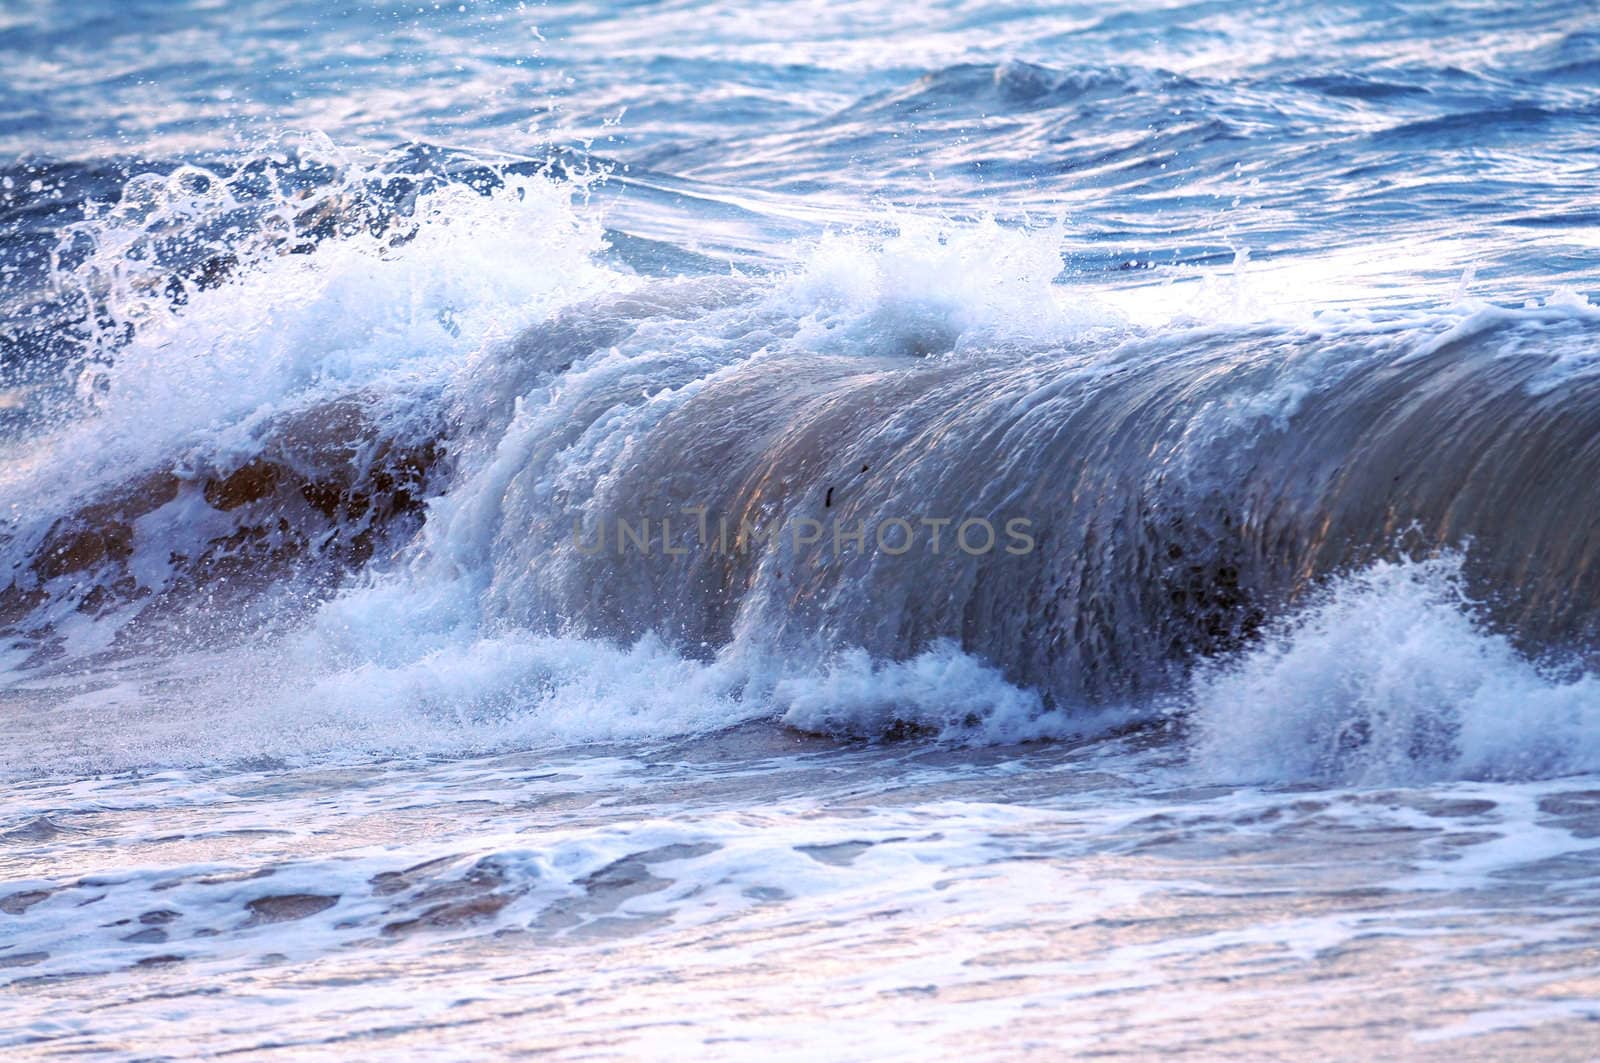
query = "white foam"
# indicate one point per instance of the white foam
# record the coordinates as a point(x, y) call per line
point(331, 695)
point(287, 329)
point(928, 286)
point(1391, 676)
point(941, 690)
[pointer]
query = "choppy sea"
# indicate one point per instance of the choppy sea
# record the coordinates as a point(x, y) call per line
point(799, 530)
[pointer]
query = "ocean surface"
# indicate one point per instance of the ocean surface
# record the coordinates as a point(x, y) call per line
point(797, 530)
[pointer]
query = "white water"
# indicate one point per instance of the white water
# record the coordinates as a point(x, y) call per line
point(1392, 677)
point(616, 838)
point(1386, 676)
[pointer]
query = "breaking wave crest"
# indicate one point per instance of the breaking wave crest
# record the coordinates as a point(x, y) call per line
point(1393, 675)
point(455, 476)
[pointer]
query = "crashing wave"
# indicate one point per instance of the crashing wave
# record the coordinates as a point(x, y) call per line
point(920, 450)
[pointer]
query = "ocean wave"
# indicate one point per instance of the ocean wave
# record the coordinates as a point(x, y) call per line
point(411, 463)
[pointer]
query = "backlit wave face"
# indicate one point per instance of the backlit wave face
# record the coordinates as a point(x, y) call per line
point(1174, 489)
point(913, 447)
